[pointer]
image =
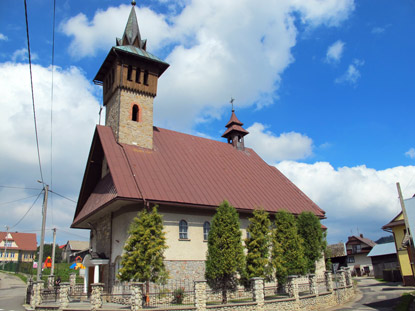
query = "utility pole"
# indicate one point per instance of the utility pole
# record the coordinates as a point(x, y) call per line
point(42, 236)
point(5, 246)
point(52, 270)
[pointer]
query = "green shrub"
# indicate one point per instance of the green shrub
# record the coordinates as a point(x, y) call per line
point(178, 295)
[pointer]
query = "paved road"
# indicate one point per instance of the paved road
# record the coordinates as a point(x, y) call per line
point(374, 295)
point(12, 293)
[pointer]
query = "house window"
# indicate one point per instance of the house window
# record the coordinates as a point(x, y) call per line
point(356, 248)
point(145, 77)
point(137, 75)
point(350, 259)
point(135, 116)
point(8, 243)
point(206, 229)
point(183, 229)
point(129, 72)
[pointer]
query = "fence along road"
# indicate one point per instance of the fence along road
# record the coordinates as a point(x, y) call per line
point(12, 292)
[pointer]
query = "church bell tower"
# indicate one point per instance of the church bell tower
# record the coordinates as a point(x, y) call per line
point(129, 78)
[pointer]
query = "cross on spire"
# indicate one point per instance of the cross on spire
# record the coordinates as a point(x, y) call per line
point(232, 99)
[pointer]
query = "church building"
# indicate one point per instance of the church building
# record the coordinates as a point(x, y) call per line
point(133, 164)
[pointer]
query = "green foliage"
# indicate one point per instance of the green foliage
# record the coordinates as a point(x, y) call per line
point(309, 228)
point(287, 254)
point(178, 295)
point(143, 259)
point(257, 244)
point(225, 255)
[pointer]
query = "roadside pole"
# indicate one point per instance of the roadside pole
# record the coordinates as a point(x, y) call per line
point(5, 246)
point(52, 270)
point(42, 237)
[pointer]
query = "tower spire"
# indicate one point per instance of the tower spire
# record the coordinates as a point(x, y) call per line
point(132, 34)
point(235, 132)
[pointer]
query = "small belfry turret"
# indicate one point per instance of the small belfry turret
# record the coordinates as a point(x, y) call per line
point(129, 77)
point(235, 132)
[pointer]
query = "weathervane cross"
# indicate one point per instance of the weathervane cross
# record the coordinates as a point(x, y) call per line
point(232, 99)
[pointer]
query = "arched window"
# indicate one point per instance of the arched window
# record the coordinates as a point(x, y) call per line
point(183, 229)
point(206, 229)
point(135, 115)
point(118, 265)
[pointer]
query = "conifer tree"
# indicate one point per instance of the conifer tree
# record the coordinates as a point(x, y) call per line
point(143, 260)
point(257, 244)
point(225, 255)
point(309, 228)
point(287, 255)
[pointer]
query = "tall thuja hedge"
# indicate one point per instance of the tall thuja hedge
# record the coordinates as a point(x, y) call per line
point(143, 259)
point(287, 254)
point(257, 245)
point(309, 228)
point(225, 256)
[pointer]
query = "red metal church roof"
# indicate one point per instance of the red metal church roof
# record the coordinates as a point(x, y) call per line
point(190, 170)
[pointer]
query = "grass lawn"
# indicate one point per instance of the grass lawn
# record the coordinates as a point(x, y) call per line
point(406, 300)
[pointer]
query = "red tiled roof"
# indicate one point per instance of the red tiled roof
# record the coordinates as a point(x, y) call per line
point(191, 170)
point(24, 241)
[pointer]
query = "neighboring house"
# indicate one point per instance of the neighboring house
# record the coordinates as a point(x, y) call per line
point(17, 247)
point(134, 165)
point(357, 248)
point(397, 227)
point(72, 249)
point(338, 254)
point(384, 261)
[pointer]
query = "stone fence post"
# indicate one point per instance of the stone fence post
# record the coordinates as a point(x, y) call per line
point(258, 292)
point(293, 287)
point(96, 295)
point(329, 281)
point(348, 276)
point(72, 282)
point(312, 278)
point(64, 289)
point(51, 281)
point(200, 295)
point(342, 280)
point(37, 294)
point(136, 296)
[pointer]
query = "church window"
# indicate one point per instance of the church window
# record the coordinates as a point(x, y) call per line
point(129, 72)
point(145, 77)
point(135, 116)
point(137, 75)
point(183, 230)
point(206, 229)
point(118, 265)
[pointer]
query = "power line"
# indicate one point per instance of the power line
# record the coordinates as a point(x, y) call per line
point(28, 209)
point(62, 196)
point(31, 86)
point(5, 203)
point(51, 104)
point(25, 188)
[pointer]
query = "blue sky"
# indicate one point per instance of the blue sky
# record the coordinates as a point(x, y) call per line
point(325, 88)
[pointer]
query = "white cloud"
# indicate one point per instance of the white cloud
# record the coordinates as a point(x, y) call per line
point(210, 47)
point(335, 52)
point(3, 37)
point(75, 112)
point(352, 195)
point(287, 146)
point(410, 153)
point(22, 55)
point(352, 73)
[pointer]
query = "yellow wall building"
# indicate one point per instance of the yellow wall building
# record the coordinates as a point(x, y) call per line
point(397, 227)
point(17, 247)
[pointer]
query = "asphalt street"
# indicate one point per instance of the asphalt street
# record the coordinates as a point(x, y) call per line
point(375, 295)
point(12, 293)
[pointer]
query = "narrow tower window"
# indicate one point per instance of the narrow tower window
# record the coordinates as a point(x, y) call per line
point(206, 229)
point(137, 75)
point(129, 72)
point(135, 116)
point(145, 77)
